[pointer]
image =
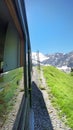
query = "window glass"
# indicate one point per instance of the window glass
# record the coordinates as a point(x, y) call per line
point(11, 72)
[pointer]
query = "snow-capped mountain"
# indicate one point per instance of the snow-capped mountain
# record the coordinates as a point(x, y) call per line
point(60, 60)
point(39, 55)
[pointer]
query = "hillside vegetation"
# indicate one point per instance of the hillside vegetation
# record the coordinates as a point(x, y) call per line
point(61, 88)
point(8, 89)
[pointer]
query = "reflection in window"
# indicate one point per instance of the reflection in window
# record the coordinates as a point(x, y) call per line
point(11, 72)
point(11, 88)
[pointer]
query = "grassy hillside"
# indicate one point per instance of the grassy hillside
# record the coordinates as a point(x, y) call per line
point(61, 87)
point(8, 88)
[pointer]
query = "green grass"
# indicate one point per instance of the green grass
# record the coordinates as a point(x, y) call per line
point(61, 87)
point(9, 83)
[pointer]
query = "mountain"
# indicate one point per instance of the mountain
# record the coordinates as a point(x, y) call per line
point(39, 55)
point(59, 60)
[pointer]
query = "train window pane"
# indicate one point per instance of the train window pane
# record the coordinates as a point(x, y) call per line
point(11, 46)
point(11, 49)
point(11, 68)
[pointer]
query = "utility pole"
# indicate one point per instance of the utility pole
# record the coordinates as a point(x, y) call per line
point(38, 60)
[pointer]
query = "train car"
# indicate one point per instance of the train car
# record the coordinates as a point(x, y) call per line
point(15, 52)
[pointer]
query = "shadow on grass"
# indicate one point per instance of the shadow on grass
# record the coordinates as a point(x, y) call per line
point(42, 119)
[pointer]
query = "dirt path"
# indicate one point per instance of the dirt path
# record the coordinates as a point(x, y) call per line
point(45, 115)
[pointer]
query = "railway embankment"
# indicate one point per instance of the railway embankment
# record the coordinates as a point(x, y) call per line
point(45, 115)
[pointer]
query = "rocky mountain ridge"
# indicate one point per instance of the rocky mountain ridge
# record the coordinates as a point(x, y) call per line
point(60, 59)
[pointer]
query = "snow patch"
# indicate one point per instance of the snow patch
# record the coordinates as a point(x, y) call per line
point(65, 69)
point(41, 57)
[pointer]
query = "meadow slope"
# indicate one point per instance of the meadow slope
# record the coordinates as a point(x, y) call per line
point(61, 88)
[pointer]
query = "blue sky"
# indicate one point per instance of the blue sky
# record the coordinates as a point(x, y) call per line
point(50, 25)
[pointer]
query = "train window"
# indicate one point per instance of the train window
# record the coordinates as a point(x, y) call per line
point(11, 63)
point(11, 45)
point(11, 49)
